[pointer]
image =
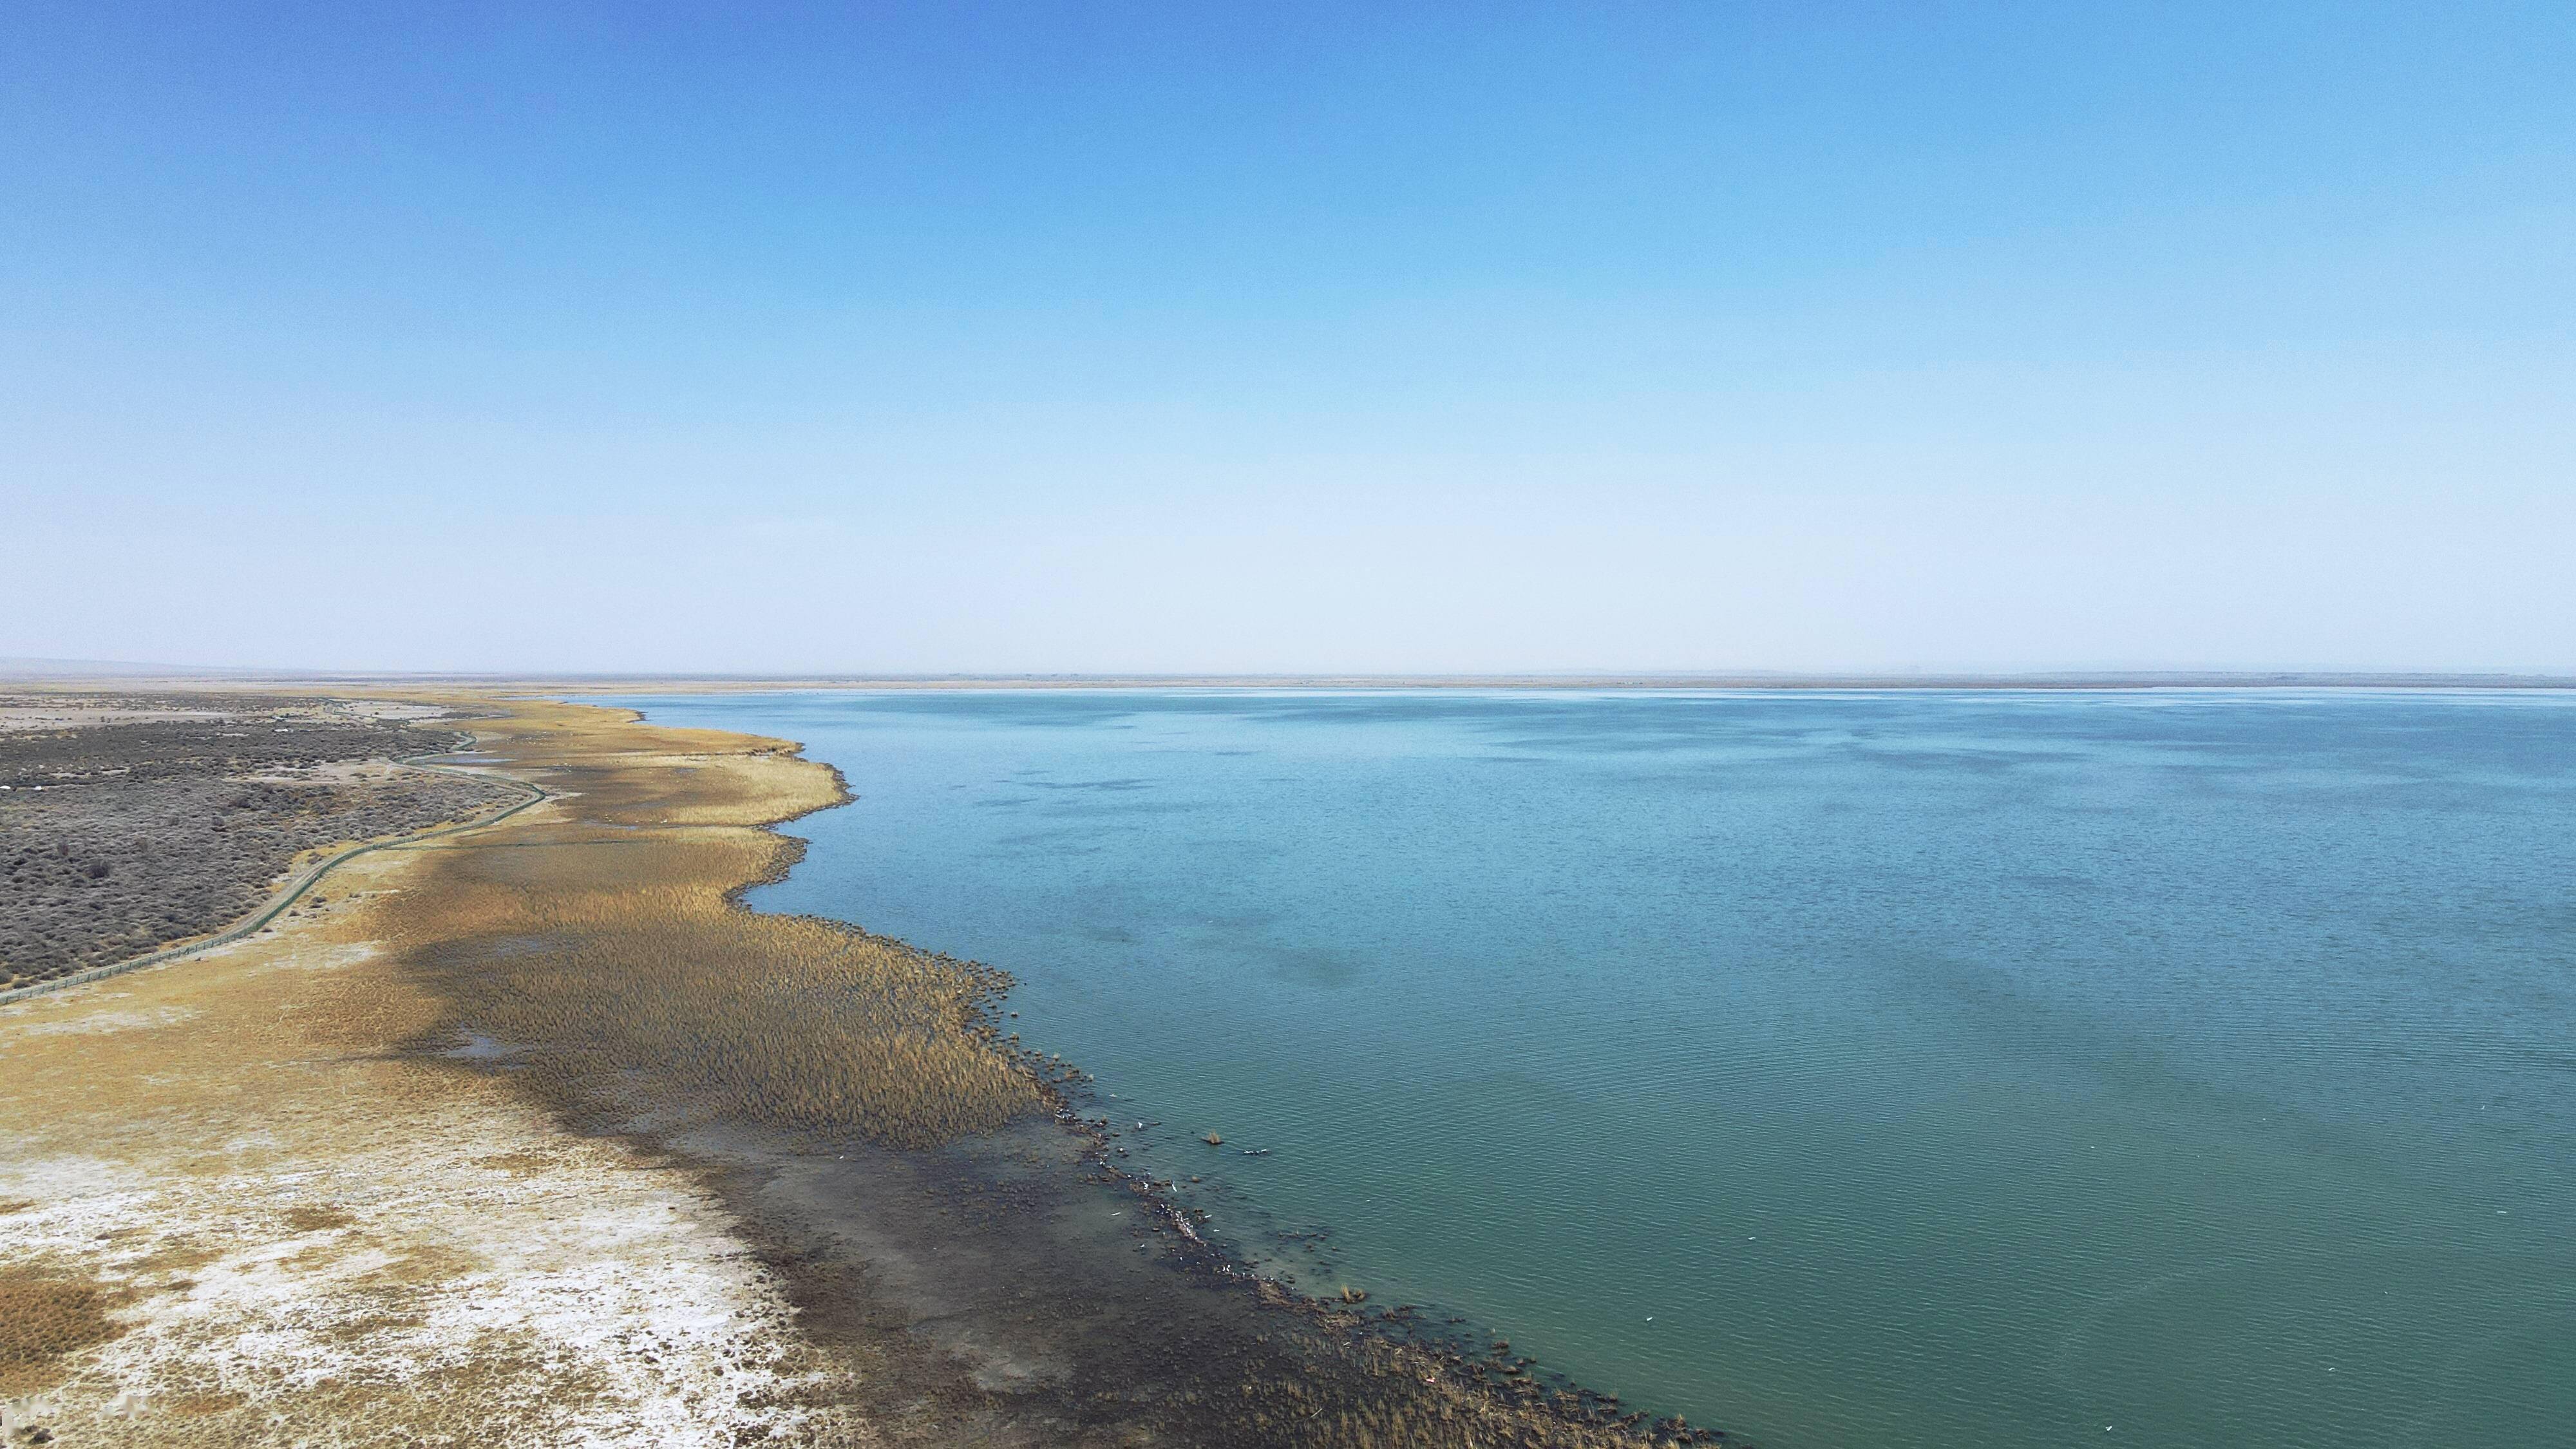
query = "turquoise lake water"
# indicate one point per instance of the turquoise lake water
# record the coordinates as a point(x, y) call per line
point(1988, 1068)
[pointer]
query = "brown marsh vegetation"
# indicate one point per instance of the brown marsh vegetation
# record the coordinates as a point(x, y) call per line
point(43, 1318)
point(234, 1212)
point(604, 943)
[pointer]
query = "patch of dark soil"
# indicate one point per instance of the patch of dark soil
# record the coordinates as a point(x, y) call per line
point(42, 1319)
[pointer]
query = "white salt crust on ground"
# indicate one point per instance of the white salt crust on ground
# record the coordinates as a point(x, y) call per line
point(305, 1241)
point(579, 1301)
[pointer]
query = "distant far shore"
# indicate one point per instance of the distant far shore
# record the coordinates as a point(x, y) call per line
point(79, 673)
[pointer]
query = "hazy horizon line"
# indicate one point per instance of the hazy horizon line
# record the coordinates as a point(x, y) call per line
point(39, 670)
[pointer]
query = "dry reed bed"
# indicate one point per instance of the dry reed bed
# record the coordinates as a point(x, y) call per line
point(630, 966)
point(234, 1213)
point(44, 1317)
point(607, 940)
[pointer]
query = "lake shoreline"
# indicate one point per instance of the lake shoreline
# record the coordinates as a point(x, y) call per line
point(1067, 1295)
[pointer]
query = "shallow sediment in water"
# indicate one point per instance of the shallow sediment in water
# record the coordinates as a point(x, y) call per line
point(235, 1211)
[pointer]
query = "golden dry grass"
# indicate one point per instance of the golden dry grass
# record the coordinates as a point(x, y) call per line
point(605, 937)
point(44, 1318)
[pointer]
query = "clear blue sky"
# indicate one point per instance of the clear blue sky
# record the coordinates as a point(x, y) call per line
point(1208, 336)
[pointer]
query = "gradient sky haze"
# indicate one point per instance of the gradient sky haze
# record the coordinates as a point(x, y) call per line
point(1107, 337)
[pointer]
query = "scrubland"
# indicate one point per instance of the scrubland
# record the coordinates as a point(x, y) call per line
point(129, 822)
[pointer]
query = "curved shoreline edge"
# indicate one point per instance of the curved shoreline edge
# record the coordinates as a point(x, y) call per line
point(1060, 1083)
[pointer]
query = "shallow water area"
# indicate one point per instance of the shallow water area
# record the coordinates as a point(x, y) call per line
point(2021, 1068)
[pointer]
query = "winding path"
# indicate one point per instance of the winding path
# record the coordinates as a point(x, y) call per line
point(303, 881)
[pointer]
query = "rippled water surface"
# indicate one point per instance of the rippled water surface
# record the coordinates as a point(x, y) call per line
point(1847, 1069)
